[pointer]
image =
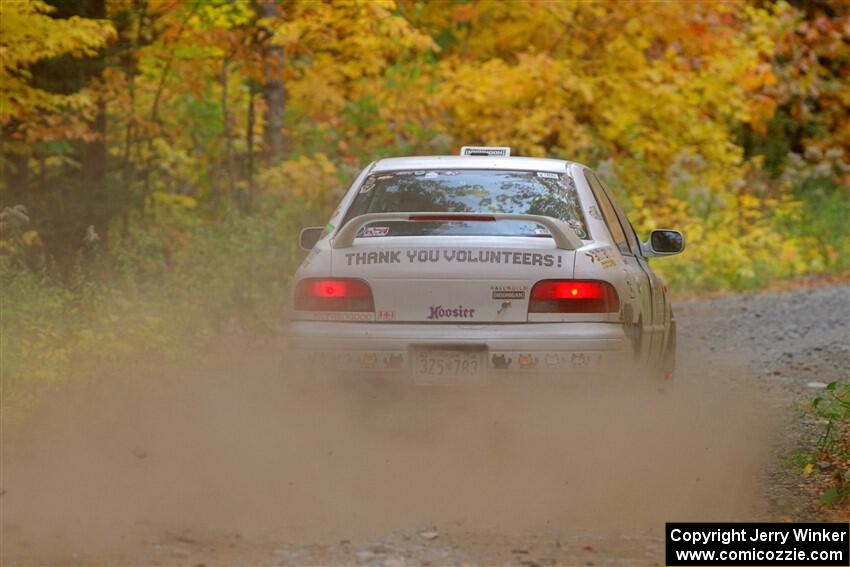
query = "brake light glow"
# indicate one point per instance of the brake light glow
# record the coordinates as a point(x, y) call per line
point(568, 296)
point(329, 288)
point(337, 294)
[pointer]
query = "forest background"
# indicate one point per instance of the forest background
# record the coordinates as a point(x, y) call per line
point(159, 156)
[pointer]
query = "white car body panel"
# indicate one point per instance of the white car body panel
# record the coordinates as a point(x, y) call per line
point(473, 291)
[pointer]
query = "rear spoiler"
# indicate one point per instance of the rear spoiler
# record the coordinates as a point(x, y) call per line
point(564, 236)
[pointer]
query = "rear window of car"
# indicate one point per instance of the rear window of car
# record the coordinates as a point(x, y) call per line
point(468, 191)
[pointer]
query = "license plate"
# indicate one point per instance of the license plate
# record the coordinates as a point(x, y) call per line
point(436, 366)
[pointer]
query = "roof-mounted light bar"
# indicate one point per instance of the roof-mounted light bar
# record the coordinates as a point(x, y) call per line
point(486, 151)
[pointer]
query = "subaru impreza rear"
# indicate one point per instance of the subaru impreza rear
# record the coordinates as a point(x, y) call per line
point(452, 269)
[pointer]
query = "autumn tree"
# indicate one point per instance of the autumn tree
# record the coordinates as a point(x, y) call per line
point(700, 114)
point(31, 112)
point(274, 89)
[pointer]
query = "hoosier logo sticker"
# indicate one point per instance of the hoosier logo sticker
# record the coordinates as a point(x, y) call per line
point(459, 312)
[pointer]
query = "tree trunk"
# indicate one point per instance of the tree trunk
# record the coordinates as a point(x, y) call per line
point(93, 154)
point(274, 90)
point(249, 143)
point(228, 132)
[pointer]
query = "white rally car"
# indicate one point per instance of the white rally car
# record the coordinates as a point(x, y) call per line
point(447, 269)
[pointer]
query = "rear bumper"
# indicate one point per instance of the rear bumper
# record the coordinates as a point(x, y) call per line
point(525, 347)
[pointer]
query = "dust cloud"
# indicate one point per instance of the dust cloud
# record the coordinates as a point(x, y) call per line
point(235, 448)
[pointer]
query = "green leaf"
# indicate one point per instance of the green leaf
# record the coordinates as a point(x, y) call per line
point(830, 497)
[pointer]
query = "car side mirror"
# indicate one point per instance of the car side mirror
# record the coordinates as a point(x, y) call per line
point(310, 236)
point(664, 242)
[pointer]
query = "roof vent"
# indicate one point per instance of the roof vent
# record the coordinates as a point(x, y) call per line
point(487, 151)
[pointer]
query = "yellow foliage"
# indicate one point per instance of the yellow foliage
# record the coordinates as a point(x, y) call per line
point(174, 200)
point(653, 90)
point(656, 99)
point(30, 238)
point(28, 35)
point(307, 176)
point(333, 47)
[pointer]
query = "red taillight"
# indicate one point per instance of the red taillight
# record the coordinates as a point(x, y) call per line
point(566, 296)
point(329, 288)
point(337, 294)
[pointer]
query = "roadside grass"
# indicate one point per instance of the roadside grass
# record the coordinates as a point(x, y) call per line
point(805, 236)
point(826, 461)
point(163, 289)
point(773, 286)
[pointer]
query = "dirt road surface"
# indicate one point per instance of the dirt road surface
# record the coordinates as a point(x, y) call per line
point(221, 464)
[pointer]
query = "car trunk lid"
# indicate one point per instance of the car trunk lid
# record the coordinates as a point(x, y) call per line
point(437, 279)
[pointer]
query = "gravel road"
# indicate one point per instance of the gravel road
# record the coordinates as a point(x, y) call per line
point(786, 339)
point(789, 345)
point(215, 463)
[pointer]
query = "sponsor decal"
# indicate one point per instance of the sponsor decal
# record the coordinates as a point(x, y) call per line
point(369, 360)
point(552, 360)
point(547, 175)
point(393, 362)
point(500, 362)
point(329, 228)
point(376, 231)
point(508, 291)
point(527, 361)
point(361, 360)
point(577, 228)
point(460, 256)
point(542, 231)
point(336, 316)
point(386, 315)
point(602, 256)
point(579, 360)
point(459, 312)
